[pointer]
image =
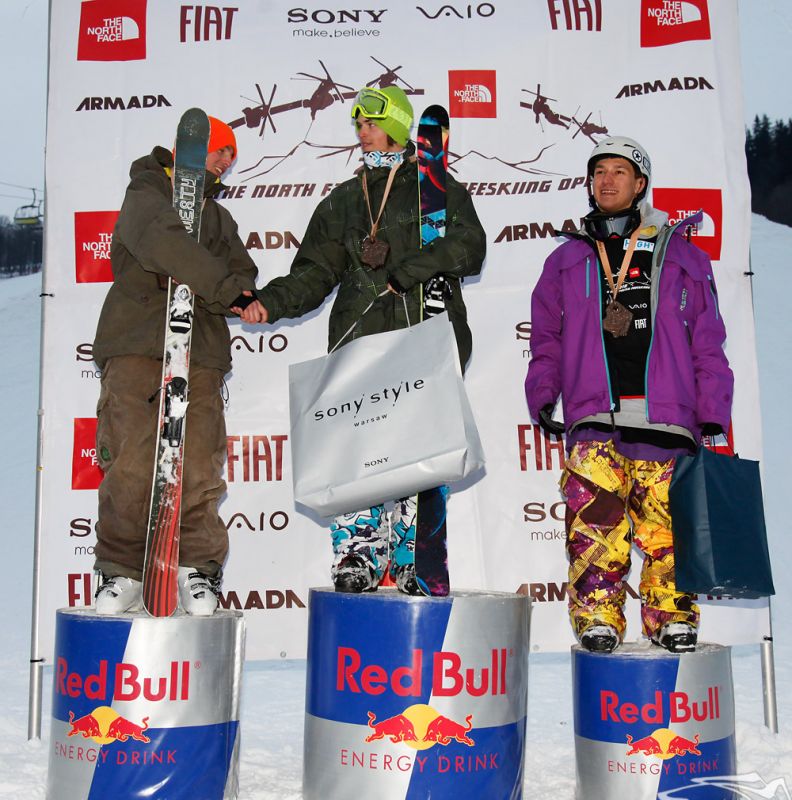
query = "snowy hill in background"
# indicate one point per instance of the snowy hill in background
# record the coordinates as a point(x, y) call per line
point(272, 707)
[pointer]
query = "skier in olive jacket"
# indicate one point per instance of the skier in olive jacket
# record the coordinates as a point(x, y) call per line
point(625, 326)
point(336, 252)
point(150, 243)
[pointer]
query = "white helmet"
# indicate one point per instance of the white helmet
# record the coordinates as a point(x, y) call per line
point(622, 147)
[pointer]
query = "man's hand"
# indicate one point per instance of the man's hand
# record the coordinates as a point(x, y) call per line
point(249, 310)
point(255, 313)
point(547, 423)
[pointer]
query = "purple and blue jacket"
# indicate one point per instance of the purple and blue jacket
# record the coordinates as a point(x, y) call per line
point(688, 379)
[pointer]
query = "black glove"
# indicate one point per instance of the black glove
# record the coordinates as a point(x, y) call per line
point(711, 429)
point(243, 301)
point(547, 423)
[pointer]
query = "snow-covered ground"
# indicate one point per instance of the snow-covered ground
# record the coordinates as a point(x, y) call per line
point(272, 710)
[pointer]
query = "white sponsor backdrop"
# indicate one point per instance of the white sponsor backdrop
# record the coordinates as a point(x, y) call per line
point(679, 97)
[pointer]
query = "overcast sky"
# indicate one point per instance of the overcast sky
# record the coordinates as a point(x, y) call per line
point(766, 27)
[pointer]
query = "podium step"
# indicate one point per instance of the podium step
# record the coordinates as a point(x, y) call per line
point(145, 707)
point(416, 697)
point(648, 721)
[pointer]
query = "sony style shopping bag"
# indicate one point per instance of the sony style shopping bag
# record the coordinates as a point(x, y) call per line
point(381, 418)
point(717, 517)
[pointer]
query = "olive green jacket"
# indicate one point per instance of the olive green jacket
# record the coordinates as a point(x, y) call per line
point(150, 241)
point(329, 256)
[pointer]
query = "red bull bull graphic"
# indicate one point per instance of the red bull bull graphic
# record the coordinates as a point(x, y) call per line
point(647, 720)
point(144, 709)
point(104, 725)
point(416, 697)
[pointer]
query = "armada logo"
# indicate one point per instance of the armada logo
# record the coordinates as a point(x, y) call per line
point(273, 240)
point(674, 85)
point(482, 10)
point(93, 235)
point(665, 22)
point(112, 30)
point(86, 473)
point(578, 15)
point(266, 600)
point(121, 104)
point(537, 230)
point(472, 93)
point(682, 203)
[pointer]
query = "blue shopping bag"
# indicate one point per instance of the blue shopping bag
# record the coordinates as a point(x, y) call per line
point(717, 518)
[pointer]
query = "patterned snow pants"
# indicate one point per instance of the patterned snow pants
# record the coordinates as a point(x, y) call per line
point(378, 536)
point(613, 501)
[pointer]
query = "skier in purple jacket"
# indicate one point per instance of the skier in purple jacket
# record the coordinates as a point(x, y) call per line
point(625, 326)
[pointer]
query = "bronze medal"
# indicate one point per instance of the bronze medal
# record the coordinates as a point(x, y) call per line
point(373, 252)
point(617, 319)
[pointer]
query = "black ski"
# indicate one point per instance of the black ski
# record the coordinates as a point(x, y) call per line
point(431, 558)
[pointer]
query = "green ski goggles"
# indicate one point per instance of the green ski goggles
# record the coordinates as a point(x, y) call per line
point(374, 104)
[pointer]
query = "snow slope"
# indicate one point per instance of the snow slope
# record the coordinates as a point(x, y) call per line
point(272, 708)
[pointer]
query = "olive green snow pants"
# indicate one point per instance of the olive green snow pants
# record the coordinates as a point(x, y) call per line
point(125, 445)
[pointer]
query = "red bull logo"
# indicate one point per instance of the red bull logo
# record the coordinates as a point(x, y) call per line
point(442, 730)
point(449, 677)
point(397, 728)
point(679, 708)
point(120, 729)
point(420, 727)
point(654, 753)
point(128, 683)
point(103, 726)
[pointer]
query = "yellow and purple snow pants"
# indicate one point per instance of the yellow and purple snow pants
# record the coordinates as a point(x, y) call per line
point(613, 501)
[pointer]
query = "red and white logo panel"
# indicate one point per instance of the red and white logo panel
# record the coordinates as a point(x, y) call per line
point(665, 22)
point(472, 93)
point(93, 235)
point(112, 30)
point(86, 473)
point(682, 203)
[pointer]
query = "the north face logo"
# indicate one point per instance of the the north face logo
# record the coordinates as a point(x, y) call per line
point(682, 203)
point(112, 30)
point(665, 22)
point(93, 235)
point(86, 472)
point(472, 93)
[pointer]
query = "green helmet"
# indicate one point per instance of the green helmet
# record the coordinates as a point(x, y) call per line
point(389, 108)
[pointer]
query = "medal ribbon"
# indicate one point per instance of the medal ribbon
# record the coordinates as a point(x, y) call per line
point(375, 223)
point(624, 267)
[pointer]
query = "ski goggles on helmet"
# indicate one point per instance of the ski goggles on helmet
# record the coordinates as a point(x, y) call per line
point(374, 104)
point(602, 226)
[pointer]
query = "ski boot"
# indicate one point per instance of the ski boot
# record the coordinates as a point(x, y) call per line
point(406, 582)
point(600, 639)
point(676, 637)
point(353, 574)
point(117, 595)
point(197, 592)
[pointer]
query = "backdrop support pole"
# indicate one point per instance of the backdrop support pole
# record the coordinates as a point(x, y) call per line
point(36, 661)
point(768, 678)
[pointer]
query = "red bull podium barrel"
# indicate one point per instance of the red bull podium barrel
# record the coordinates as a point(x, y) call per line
point(416, 697)
point(145, 708)
point(652, 724)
